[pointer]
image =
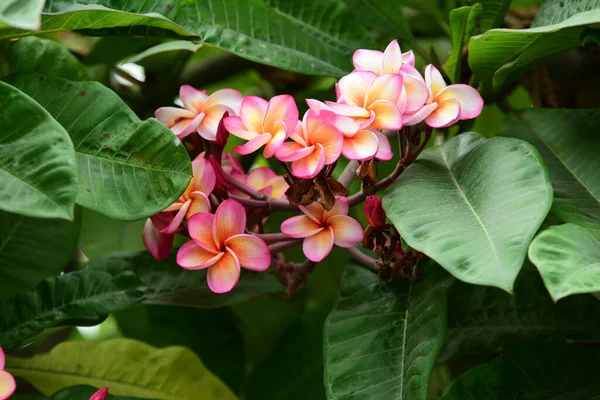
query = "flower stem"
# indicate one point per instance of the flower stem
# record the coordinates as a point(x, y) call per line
point(362, 258)
point(281, 246)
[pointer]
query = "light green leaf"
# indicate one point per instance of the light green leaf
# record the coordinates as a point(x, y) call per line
point(381, 14)
point(568, 258)
point(493, 13)
point(463, 21)
point(482, 319)
point(155, 54)
point(128, 367)
point(382, 339)
point(555, 11)
point(473, 205)
point(33, 249)
point(128, 169)
point(22, 14)
point(314, 37)
point(504, 55)
point(567, 143)
point(37, 162)
point(47, 57)
point(533, 372)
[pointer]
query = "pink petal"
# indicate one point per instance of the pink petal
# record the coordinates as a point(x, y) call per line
point(204, 177)
point(279, 134)
point(417, 92)
point(342, 123)
point(200, 203)
point(230, 98)
point(420, 115)
point(2, 359)
point(224, 274)
point(347, 231)
point(392, 59)
point(235, 126)
point(362, 146)
point(232, 165)
point(384, 150)
point(470, 100)
point(367, 60)
point(158, 244)
point(446, 114)
point(192, 256)
point(314, 211)
point(353, 87)
point(174, 224)
point(348, 110)
point(278, 187)
point(200, 228)
point(253, 145)
point(331, 139)
point(341, 207)
point(100, 394)
point(318, 246)
point(190, 127)
point(253, 113)
point(258, 178)
point(192, 98)
point(386, 87)
point(281, 108)
point(435, 81)
point(408, 58)
point(7, 385)
point(170, 115)
point(252, 252)
point(208, 127)
point(317, 106)
point(300, 227)
point(309, 166)
point(290, 151)
point(230, 220)
point(298, 135)
point(387, 115)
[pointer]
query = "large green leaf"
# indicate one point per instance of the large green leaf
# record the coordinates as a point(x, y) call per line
point(463, 21)
point(38, 177)
point(382, 339)
point(381, 14)
point(482, 319)
point(127, 367)
point(493, 13)
point(556, 11)
point(504, 55)
point(128, 169)
point(33, 249)
point(567, 141)
point(533, 372)
point(568, 258)
point(22, 14)
point(314, 36)
point(473, 205)
point(47, 57)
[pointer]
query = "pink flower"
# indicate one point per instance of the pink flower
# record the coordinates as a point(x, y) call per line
point(219, 244)
point(265, 180)
point(446, 105)
point(263, 123)
point(374, 212)
point(202, 113)
point(100, 394)
point(371, 100)
point(7, 382)
point(158, 244)
point(315, 143)
point(322, 229)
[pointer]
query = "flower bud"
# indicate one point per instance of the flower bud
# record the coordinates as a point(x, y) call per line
point(100, 394)
point(374, 212)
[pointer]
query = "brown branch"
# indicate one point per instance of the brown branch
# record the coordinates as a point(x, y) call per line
point(348, 173)
point(272, 237)
point(363, 259)
point(242, 187)
point(269, 203)
point(281, 246)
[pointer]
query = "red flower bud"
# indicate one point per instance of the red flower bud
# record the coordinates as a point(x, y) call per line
point(374, 212)
point(100, 394)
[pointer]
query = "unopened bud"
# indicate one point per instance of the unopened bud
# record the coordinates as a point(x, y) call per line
point(374, 212)
point(100, 394)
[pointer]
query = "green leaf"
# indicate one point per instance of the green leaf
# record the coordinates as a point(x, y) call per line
point(493, 13)
point(22, 14)
point(533, 372)
point(473, 205)
point(314, 37)
point(128, 169)
point(482, 319)
point(32, 250)
point(556, 11)
point(568, 258)
point(128, 367)
point(157, 57)
point(381, 14)
point(382, 339)
point(37, 162)
point(47, 57)
point(567, 144)
point(463, 21)
point(79, 392)
point(504, 55)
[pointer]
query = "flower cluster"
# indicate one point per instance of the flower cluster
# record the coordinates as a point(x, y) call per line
point(7, 382)
point(384, 93)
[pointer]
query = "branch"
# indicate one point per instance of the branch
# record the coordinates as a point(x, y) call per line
point(242, 187)
point(269, 203)
point(362, 258)
point(272, 237)
point(348, 173)
point(281, 246)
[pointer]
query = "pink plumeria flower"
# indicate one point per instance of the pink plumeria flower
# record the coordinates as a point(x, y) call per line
point(446, 105)
point(201, 113)
point(158, 244)
point(7, 382)
point(359, 144)
point(265, 180)
point(263, 123)
point(393, 61)
point(322, 229)
point(316, 143)
point(100, 394)
point(371, 100)
point(219, 244)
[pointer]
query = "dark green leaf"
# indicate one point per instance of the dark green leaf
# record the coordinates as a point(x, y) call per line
point(22, 14)
point(79, 392)
point(473, 205)
point(463, 21)
point(33, 249)
point(493, 13)
point(381, 14)
point(128, 169)
point(533, 372)
point(567, 143)
point(37, 162)
point(382, 339)
point(568, 258)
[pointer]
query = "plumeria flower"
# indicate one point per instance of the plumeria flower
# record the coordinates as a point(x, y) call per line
point(265, 180)
point(7, 382)
point(201, 113)
point(100, 394)
point(219, 244)
point(359, 144)
point(263, 123)
point(158, 244)
point(322, 229)
point(315, 143)
point(393, 61)
point(371, 100)
point(446, 105)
